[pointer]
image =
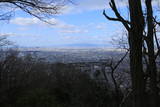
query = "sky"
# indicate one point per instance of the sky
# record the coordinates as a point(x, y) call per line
point(79, 24)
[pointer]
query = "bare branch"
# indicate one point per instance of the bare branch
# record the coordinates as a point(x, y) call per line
point(41, 9)
point(126, 23)
point(110, 18)
point(125, 98)
point(157, 43)
point(120, 61)
point(113, 68)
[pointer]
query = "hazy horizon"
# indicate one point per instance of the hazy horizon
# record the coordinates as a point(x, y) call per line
point(81, 24)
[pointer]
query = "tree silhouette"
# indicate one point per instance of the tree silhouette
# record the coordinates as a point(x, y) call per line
point(142, 36)
point(40, 9)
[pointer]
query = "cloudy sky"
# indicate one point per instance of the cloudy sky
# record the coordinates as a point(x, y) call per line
point(82, 23)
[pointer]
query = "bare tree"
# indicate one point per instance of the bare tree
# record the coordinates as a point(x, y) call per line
point(113, 66)
point(141, 33)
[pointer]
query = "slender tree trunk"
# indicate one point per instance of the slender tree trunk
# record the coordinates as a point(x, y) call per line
point(153, 75)
point(135, 43)
point(152, 61)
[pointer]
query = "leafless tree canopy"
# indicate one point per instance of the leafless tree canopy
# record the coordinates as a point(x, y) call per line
point(38, 8)
point(143, 43)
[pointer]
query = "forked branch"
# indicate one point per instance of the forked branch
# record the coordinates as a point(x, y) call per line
point(119, 18)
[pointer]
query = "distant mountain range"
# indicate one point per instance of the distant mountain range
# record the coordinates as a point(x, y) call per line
point(86, 45)
point(78, 45)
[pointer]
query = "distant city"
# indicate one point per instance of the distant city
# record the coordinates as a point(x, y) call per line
point(73, 55)
point(90, 60)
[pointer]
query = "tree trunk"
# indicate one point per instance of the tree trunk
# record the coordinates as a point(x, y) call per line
point(152, 61)
point(153, 75)
point(135, 43)
point(137, 73)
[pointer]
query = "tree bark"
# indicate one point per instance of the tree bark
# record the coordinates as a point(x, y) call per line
point(135, 43)
point(151, 55)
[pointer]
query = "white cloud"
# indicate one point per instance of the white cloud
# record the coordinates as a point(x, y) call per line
point(17, 35)
point(84, 5)
point(90, 5)
point(22, 28)
point(74, 31)
point(93, 4)
point(61, 26)
point(6, 34)
point(28, 21)
point(24, 21)
point(101, 26)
